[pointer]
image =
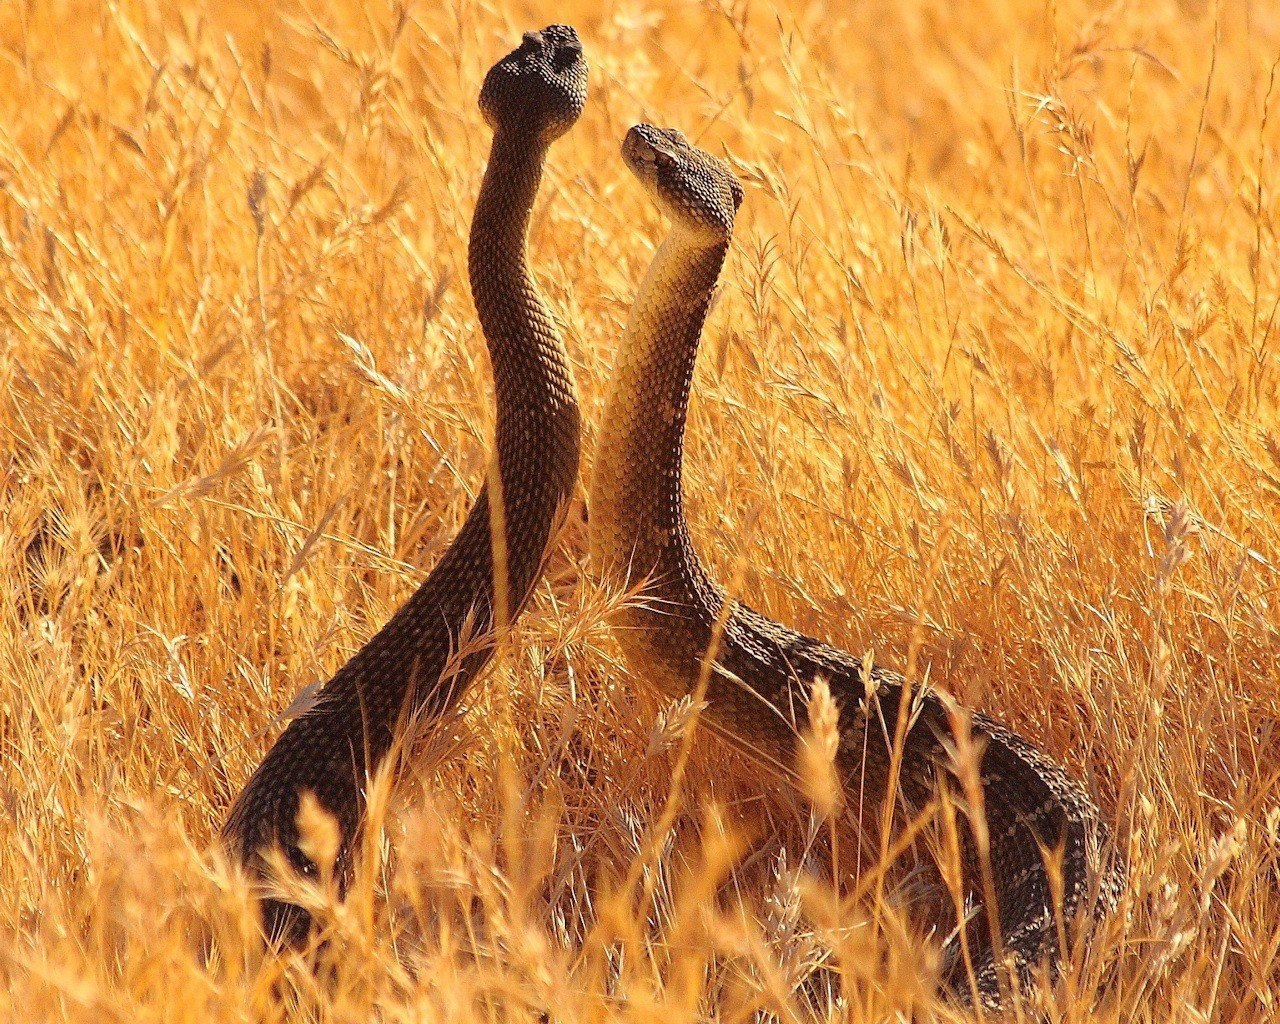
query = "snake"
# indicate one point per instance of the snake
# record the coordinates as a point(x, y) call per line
point(417, 666)
point(895, 744)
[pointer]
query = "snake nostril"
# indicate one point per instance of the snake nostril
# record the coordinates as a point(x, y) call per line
point(530, 39)
point(634, 147)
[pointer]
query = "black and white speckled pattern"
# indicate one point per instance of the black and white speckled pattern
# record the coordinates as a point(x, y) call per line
point(762, 671)
point(529, 98)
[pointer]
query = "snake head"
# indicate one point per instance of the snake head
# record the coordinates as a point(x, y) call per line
point(294, 822)
point(538, 90)
point(698, 191)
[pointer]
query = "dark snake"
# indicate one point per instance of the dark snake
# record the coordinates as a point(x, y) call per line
point(420, 662)
point(684, 631)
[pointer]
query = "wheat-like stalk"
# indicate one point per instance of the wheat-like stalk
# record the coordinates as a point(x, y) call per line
point(990, 388)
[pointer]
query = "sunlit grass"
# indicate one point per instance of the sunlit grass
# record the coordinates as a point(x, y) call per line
point(990, 389)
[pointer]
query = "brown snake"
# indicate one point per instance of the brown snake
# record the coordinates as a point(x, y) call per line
point(761, 672)
point(412, 667)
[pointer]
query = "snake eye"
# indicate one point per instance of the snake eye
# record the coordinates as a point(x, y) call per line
point(300, 862)
point(566, 55)
point(663, 159)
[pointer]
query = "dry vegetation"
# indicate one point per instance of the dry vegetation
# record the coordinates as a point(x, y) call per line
point(991, 388)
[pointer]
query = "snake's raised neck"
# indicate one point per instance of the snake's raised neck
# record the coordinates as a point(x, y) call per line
point(638, 526)
point(424, 657)
point(761, 672)
point(525, 349)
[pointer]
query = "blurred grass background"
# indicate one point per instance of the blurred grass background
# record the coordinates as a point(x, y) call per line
point(991, 387)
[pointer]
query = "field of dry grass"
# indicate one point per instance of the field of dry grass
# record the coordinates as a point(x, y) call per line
point(991, 389)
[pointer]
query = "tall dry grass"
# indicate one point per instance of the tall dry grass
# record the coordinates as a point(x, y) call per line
point(991, 390)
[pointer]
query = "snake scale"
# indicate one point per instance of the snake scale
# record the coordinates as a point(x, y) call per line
point(761, 672)
point(424, 657)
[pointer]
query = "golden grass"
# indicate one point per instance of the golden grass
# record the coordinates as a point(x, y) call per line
point(991, 388)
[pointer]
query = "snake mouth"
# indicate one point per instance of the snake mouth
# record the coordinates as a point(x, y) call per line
point(639, 153)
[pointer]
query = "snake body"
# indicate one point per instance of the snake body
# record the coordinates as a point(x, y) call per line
point(761, 672)
point(437, 642)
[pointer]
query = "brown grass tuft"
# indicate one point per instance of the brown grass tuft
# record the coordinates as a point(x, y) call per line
point(991, 387)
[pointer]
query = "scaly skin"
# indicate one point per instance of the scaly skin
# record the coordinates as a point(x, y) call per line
point(762, 671)
point(409, 669)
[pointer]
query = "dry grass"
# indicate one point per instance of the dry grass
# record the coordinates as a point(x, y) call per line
point(991, 389)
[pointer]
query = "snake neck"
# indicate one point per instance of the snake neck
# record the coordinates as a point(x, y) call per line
point(638, 528)
point(490, 570)
point(421, 661)
point(536, 437)
point(525, 348)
